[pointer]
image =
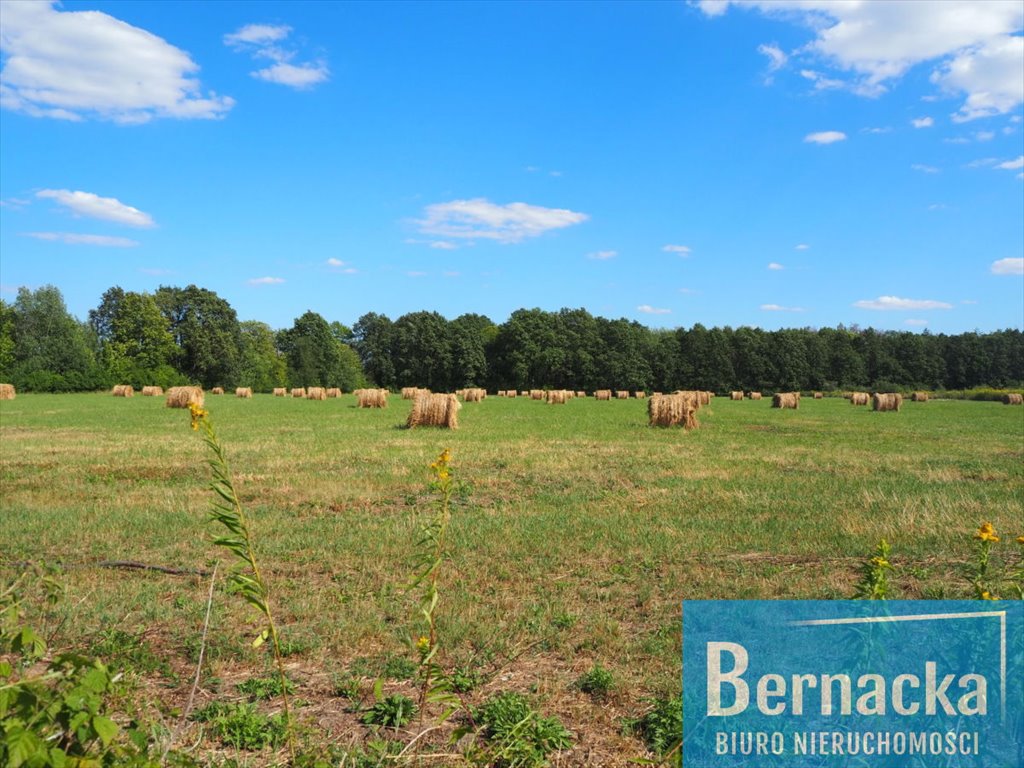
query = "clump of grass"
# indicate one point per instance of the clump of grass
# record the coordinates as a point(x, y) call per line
point(463, 680)
point(399, 668)
point(127, 652)
point(661, 727)
point(597, 682)
point(260, 688)
point(392, 711)
point(242, 726)
point(516, 734)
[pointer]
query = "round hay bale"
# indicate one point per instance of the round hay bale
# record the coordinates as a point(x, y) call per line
point(7, 392)
point(183, 397)
point(886, 401)
point(430, 410)
point(152, 391)
point(123, 390)
point(219, 391)
point(603, 394)
point(243, 392)
point(919, 397)
point(280, 392)
point(557, 397)
point(474, 395)
point(372, 398)
point(677, 410)
point(334, 392)
point(818, 395)
point(316, 393)
point(1013, 398)
point(859, 398)
point(786, 400)
point(735, 395)
point(298, 391)
point(755, 395)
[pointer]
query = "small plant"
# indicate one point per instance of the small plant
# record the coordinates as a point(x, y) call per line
point(989, 577)
point(464, 680)
point(259, 688)
point(126, 652)
point(661, 727)
point(874, 579)
point(517, 736)
point(242, 726)
point(597, 683)
point(400, 668)
point(392, 711)
point(347, 687)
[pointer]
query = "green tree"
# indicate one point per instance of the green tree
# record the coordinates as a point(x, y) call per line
point(6, 339)
point(315, 357)
point(423, 351)
point(138, 348)
point(470, 337)
point(373, 340)
point(261, 366)
point(206, 331)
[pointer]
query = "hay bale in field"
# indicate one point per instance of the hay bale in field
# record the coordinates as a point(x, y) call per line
point(755, 395)
point(474, 395)
point(511, 393)
point(786, 400)
point(7, 392)
point(243, 392)
point(183, 397)
point(678, 410)
point(640, 394)
point(408, 393)
point(152, 391)
point(316, 393)
point(219, 391)
point(334, 392)
point(580, 393)
point(818, 395)
point(735, 395)
point(704, 398)
point(280, 392)
point(537, 394)
point(886, 401)
point(603, 394)
point(298, 391)
point(123, 390)
point(859, 398)
point(622, 394)
point(1010, 398)
point(919, 397)
point(501, 393)
point(374, 398)
point(557, 397)
point(430, 410)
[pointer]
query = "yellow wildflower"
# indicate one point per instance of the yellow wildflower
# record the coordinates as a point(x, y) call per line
point(423, 645)
point(1020, 539)
point(198, 413)
point(986, 533)
point(986, 595)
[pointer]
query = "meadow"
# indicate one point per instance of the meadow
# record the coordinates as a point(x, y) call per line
point(576, 531)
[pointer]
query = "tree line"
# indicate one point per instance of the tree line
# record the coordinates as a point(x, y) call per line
point(191, 335)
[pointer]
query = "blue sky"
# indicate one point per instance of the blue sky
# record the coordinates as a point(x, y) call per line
point(785, 164)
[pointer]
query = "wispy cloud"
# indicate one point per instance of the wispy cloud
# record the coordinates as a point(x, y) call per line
point(96, 207)
point(802, 247)
point(682, 250)
point(688, 291)
point(443, 245)
point(821, 83)
point(76, 65)
point(885, 129)
point(924, 168)
point(984, 135)
point(333, 262)
point(481, 219)
point(775, 266)
point(602, 255)
point(777, 59)
point(647, 309)
point(824, 137)
point(1012, 165)
point(265, 281)
point(264, 41)
point(15, 203)
point(1013, 266)
point(922, 122)
point(896, 303)
point(74, 238)
point(780, 308)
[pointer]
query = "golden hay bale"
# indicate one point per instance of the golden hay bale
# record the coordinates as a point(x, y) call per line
point(123, 390)
point(704, 398)
point(786, 400)
point(474, 395)
point(501, 393)
point(7, 392)
point(152, 391)
point(678, 410)
point(183, 397)
point(735, 395)
point(621, 394)
point(334, 392)
point(219, 391)
point(603, 394)
point(1010, 398)
point(245, 392)
point(755, 395)
point(408, 393)
point(298, 392)
point(511, 393)
point(580, 393)
point(280, 392)
point(859, 398)
point(372, 398)
point(886, 401)
point(430, 410)
point(640, 394)
point(316, 393)
point(919, 397)
point(557, 397)
point(536, 394)
point(818, 395)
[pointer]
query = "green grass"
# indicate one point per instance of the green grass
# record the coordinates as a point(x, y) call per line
point(577, 534)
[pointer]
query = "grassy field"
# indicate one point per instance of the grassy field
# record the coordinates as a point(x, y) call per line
point(576, 534)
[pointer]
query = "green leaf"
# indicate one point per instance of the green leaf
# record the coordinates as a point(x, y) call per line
point(261, 638)
point(21, 745)
point(105, 728)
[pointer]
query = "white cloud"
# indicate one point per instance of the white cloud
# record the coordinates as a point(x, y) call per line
point(1008, 267)
point(556, 174)
point(257, 34)
point(916, 322)
point(479, 218)
point(682, 250)
point(894, 302)
point(297, 76)
point(984, 135)
point(780, 308)
point(262, 42)
point(821, 83)
point(265, 281)
point(981, 162)
point(776, 56)
point(885, 129)
point(74, 238)
point(74, 65)
point(1012, 165)
point(443, 245)
point(824, 137)
point(647, 309)
point(602, 255)
point(332, 262)
point(775, 266)
point(973, 45)
point(924, 168)
point(96, 207)
point(957, 140)
point(922, 122)
point(714, 7)
point(802, 247)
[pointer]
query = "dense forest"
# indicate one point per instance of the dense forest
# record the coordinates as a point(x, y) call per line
point(192, 335)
